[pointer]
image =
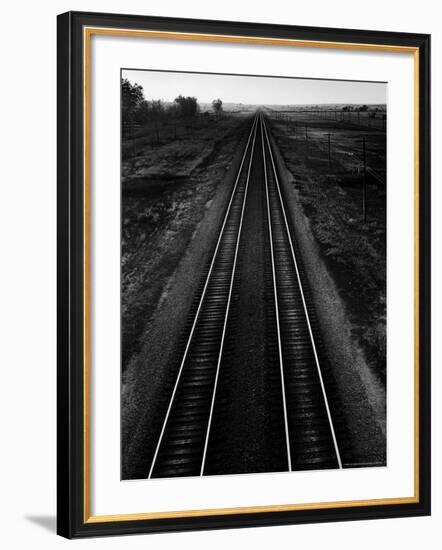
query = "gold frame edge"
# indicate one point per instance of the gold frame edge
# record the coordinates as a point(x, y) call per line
point(94, 519)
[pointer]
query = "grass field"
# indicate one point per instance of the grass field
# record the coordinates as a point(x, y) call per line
point(167, 185)
point(325, 158)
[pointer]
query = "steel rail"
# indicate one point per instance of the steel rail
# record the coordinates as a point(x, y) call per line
point(275, 294)
point(209, 424)
point(312, 340)
point(163, 429)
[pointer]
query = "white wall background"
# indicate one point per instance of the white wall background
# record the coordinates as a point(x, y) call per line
point(28, 282)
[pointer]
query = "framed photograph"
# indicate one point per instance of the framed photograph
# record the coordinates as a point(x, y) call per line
point(243, 274)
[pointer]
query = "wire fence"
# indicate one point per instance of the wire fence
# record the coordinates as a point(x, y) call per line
point(374, 119)
point(170, 126)
point(361, 149)
point(339, 152)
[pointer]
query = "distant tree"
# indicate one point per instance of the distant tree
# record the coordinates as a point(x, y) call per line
point(142, 113)
point(156, 114)
point(363, 108)
point(131, 97)
point(172, 112)
point(217, 105)
point(188, 106)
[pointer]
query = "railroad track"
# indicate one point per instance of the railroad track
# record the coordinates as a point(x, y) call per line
point(309, 434)
point(311, 439)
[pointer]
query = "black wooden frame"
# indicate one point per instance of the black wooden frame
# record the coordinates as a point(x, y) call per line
point(70, 244)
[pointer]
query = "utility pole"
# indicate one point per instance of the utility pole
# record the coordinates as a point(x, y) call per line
point(364, 184)
point(329, 155)
point(306, 142)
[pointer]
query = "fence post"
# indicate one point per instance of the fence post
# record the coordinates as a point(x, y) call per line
point(364, 184)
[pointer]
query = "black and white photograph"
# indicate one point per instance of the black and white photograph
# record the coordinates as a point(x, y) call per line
point(220, 232)
point(253, 274)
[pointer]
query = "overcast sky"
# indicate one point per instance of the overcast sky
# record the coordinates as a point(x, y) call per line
point(255, 89)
